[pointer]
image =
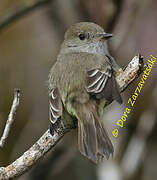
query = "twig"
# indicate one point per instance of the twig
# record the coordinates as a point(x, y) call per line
point(29, 158)
point(10, 117)
point(133, 69)
point(14, 14)
point(46, 142)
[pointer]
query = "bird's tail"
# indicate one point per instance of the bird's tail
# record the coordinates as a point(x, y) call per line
point(93, 140)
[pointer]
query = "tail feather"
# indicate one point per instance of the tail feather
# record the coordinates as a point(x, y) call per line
point(87, 140)
point(93, 140)
point(105, 146)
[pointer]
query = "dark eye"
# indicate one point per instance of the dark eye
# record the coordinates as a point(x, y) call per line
point(82, 36)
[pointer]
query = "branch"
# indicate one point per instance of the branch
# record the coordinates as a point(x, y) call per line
point(131, 72)
point(29, 158)
point(15, 14)
point(10, 117)
point(46, 142)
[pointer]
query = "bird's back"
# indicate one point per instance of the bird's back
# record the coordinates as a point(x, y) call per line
point(71, 71)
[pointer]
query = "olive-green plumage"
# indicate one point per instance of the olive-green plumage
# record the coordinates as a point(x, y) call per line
point(81, 82)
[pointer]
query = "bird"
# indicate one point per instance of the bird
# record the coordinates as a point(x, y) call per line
point(81, 83)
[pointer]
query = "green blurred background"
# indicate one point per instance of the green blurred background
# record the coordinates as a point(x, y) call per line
point(28, 49)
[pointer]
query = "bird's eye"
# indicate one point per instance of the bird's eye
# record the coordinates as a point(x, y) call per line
point(82, 36)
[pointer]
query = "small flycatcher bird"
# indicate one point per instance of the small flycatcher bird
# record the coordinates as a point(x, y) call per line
point(81, 82)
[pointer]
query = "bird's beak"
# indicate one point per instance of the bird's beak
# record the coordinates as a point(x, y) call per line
point(105, 36)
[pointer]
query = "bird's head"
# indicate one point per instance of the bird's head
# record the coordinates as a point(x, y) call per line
point(86, 37)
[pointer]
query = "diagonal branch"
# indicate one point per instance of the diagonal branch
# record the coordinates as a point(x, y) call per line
point(14, 14)
point(30, 157)
point(10, 117)
point(46, 142)
point(133, 70)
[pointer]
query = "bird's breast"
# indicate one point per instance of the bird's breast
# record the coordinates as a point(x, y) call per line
point(72, 79)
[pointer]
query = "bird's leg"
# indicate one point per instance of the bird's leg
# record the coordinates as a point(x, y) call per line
point(68, 122)
point(63, 124)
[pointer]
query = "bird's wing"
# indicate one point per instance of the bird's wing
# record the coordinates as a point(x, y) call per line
point(56, 108)
point(101, 83)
